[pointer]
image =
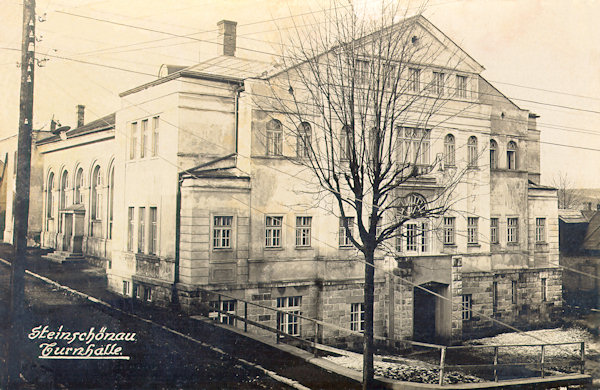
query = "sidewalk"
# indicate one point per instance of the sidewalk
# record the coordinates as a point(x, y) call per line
point(91, 280)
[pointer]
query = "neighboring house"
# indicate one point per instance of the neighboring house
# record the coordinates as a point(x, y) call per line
point(580, 256)
point(206, 197)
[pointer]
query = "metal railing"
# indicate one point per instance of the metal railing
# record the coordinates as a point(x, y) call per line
point(314, 342)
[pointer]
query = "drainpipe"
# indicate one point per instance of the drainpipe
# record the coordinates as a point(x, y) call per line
point(237, 92)
point(174, 296)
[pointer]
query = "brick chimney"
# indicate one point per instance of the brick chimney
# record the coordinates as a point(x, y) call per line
point(80, 114)
point(52, 125)
point(227, 37)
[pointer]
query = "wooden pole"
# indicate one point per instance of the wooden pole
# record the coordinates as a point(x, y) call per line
point(21, 205)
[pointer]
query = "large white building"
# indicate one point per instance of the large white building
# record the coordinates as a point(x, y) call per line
point(206, 196)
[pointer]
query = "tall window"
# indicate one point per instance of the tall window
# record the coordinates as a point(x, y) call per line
point(494, 297)
point(472, 151)
point(449, 150)
point(222, 232)
point(155, 124)
point(343, 233)
point(467, 307)
point(133, 140)
point(472, 230)
point(544, 291)
point(449, 230)
point(303, 140)
point(141, 229)
point(274, 138)
point(62, 202)
point(130, 226)
point(153, 239)
point(438, 83)
point(111, 199)
point(273, 232)
point(49, 200)
point(357, 317)
point(362, 71)
point(345, 143)
point(493, 154)
point(303, 231)
point(288, 322)
point(540, 230)
point(417, 238)
point(461, 86)
point(494, 239)
point(414, 80)
point(96, 193)
point(144, 138)
point(512, 236)
point(79, 187)
point(511, 155)
point(415, 145)
point(514, 294)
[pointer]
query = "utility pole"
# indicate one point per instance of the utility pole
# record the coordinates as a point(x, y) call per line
point(21, 211)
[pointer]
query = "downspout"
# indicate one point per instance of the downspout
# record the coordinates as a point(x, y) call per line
point(237, 92)
point(174, 295)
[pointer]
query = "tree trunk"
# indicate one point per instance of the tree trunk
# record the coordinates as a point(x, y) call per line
point(368, 370)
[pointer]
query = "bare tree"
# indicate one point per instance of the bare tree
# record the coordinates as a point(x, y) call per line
point(568, 196)
point(363, 119)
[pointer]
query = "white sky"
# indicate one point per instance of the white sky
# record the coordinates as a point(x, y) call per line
point(544, 45)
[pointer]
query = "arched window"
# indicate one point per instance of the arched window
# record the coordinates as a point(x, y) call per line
point(303, 140)
point(62, 200)
point(49, 201)
point(111, 196)
point(493, 154)
point(274, 138)
point(449, 150)
point(511, 155)
point(345, 143)
point(78, 187)
point(96, 203)
point(414, 205)
point(472, 151)
point(414, 237)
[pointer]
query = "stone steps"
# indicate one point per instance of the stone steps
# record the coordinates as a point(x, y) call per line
point(64, 257)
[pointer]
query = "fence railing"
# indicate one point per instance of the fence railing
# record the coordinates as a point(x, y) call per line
point(317, 325)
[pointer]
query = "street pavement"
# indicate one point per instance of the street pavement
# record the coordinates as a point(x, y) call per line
point(158, 359)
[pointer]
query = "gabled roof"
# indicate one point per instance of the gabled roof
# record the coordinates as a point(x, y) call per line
point(102, 124)
point(571, 216)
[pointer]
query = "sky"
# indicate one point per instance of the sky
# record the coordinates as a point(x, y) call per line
point(542, 54)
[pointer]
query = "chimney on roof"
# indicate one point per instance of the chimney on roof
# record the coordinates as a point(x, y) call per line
point(80, 114)
point(52, 125)
point(227, 37)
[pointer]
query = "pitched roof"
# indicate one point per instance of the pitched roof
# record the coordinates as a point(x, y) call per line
point(592, 236)
point(101, 124)
point(571, 216)
point(231, 67)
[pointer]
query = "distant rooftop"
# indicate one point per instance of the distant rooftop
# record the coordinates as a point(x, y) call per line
point(101, 124)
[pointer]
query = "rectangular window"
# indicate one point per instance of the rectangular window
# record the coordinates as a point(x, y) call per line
point(343, 233)
point(148, 294)
point(415, 146)
point(472, 230)
point(540, 230)
point(411, 237)
point(416, 237)
point(438, 83)
point(414, 80)
point(467, 307)
point(141, 229)
point(449, 223)
point(273, 232)
point(288, 322)
point(303, 231)
point(130, 226)
point(461, 86)
point(514, 292)
point(153, 239)
point(512, 236)
point(362, 72)
point(357, 317)
point(544, 290)
point(225, 306)
point(133, 141)
point(144, 138)
point(222, 228)
point(126, 288)
point(155, 123)
point(494, 239)
point(345, 143)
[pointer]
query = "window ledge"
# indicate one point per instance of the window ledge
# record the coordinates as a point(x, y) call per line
point(474, 245)
point(512, 244)
point(303, 248)
point(222, 249)
point(450, 245)
point(273, 248)
point(346, 247)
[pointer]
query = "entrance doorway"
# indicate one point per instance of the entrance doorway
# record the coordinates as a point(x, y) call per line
point(432, 314)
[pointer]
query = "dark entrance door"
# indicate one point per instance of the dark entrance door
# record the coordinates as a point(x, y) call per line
point(424, 315)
